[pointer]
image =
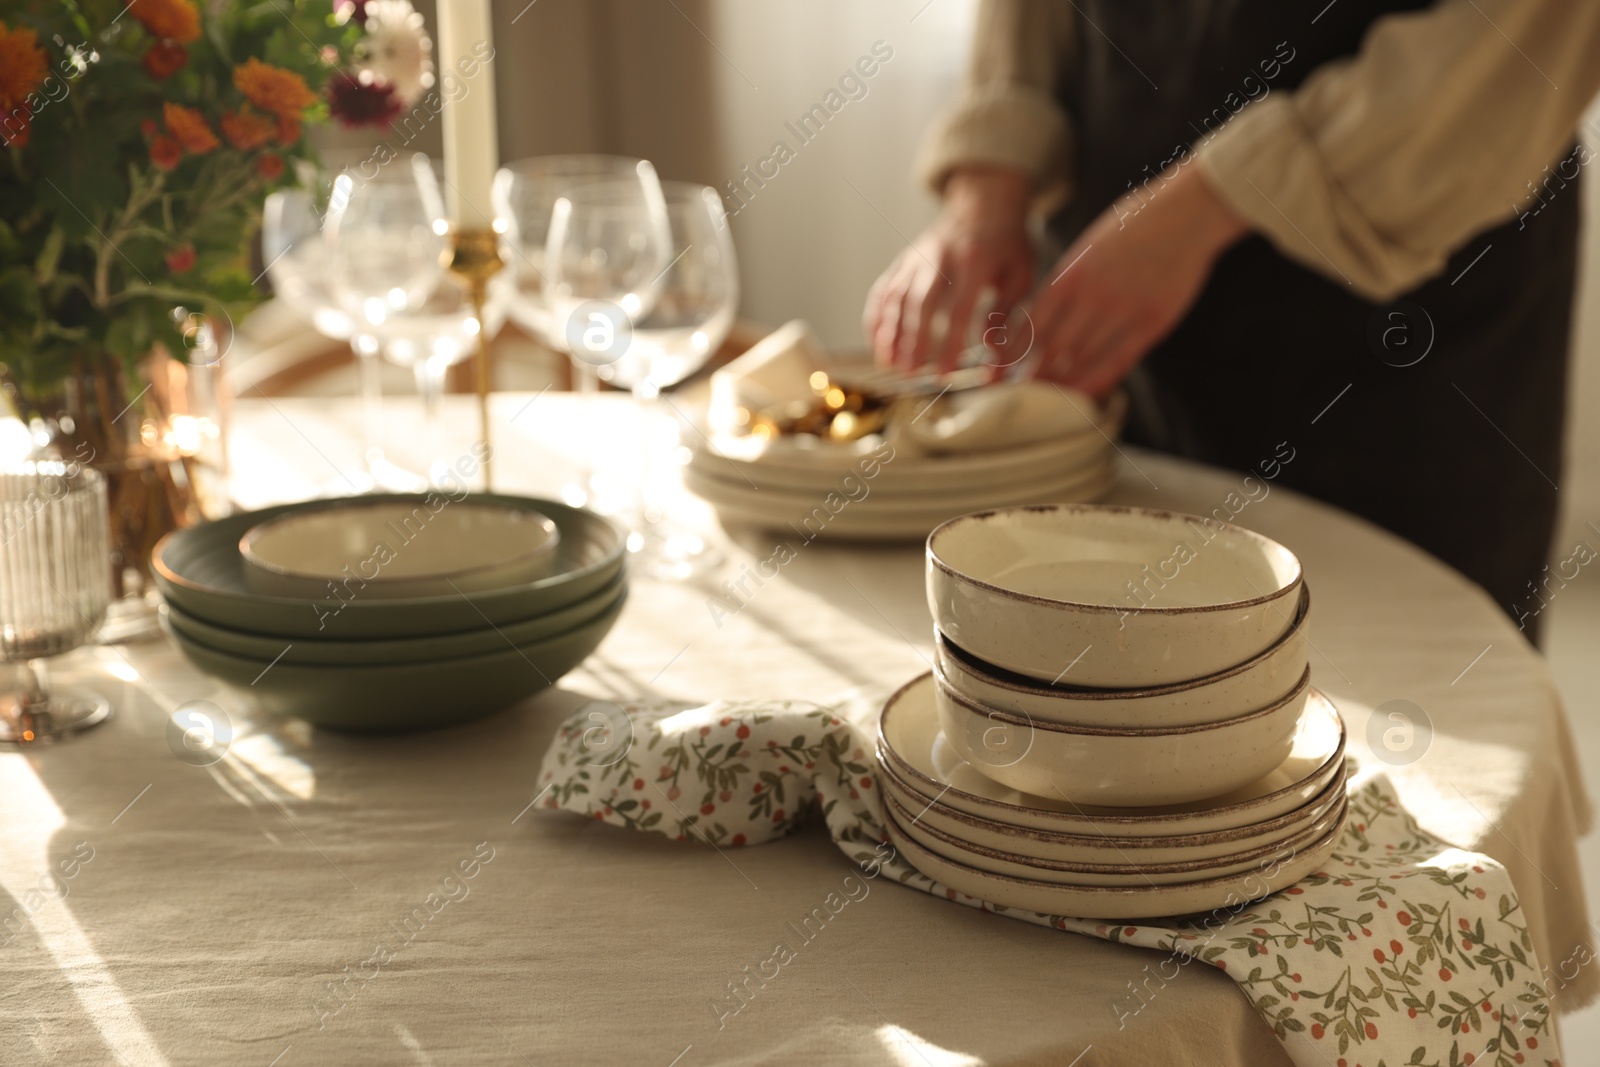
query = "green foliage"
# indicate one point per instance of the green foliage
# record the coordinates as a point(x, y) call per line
point(91, 228)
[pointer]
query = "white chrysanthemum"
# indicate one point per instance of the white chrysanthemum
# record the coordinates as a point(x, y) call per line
point(397, 49)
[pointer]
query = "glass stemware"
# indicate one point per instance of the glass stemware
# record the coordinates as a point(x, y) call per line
point(525, 194)
point(646, 331)
point(385, 240)
point(297, 263)
point(55, 585)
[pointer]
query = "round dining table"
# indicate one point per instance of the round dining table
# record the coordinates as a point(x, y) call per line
point(228, 912)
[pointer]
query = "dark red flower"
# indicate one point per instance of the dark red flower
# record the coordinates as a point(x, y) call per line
point(363, 100)
point(165, 58)
point(269, 166)
point(180, 259)
point(17, 127)
point(165, 152)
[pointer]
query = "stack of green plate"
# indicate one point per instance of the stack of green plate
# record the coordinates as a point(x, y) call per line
point(391, 664)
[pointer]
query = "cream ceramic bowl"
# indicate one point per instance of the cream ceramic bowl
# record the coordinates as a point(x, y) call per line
point(911, 745)
point(1123, 767)
point(1106, 596)
point(386, 549)
point(1136, 900)
point(1128, 872)
point(1256, 684)
point(1105, 848)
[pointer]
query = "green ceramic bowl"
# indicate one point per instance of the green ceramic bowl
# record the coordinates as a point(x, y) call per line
point(200, 571)
point(395, 697)
point(335, 653)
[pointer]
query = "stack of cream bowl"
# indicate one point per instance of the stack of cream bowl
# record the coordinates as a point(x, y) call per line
point(1189, 762)
point(393, 612)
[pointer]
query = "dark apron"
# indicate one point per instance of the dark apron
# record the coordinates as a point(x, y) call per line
point(1459, 453)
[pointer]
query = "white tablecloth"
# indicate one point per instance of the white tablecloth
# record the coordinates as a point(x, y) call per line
point(289, 904)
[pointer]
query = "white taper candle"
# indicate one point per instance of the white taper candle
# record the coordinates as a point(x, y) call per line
point(471, 148)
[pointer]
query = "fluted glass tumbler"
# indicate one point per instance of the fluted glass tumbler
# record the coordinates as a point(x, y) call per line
point(55, 583)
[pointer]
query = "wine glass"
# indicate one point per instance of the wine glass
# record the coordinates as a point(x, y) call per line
point(292, 245)
point(55, 585)
point(384, 249)
point(525, 194)
point(646, 332)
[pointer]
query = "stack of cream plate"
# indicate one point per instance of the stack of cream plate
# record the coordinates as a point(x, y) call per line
point(869, 490)
point(1120, 721)
point(1051, 855)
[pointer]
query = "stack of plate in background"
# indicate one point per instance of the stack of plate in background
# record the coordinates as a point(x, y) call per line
point(871, 490)
point(1190, 765)
point(393, 612)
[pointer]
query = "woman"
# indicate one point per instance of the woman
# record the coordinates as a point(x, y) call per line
point(1350, 229)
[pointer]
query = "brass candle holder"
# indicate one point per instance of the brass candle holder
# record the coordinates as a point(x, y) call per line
point(475, 260)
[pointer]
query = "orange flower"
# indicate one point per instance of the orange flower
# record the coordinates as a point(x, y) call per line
point(23, 65)
point(269, 166)
point(245, 129)
point(282, 92)
point(170, 20)
point(189, 127)
point(288, 129)
point(165, 152)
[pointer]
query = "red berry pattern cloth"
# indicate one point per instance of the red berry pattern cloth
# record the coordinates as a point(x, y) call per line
point(1403, 951)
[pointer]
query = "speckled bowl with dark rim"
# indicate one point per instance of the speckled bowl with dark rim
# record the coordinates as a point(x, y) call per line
point(1122, 767)
point(910, 740)
point(1109, 596)
point(1247, 687)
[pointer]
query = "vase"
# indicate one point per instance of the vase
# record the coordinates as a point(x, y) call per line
point(157, 435)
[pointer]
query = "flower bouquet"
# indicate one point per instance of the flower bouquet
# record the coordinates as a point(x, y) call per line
point(137, 143)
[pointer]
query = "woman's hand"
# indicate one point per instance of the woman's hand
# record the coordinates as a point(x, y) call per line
point(980, 241)
point(1129, 279)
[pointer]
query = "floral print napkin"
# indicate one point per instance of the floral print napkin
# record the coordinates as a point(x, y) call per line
point(1403, 950)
